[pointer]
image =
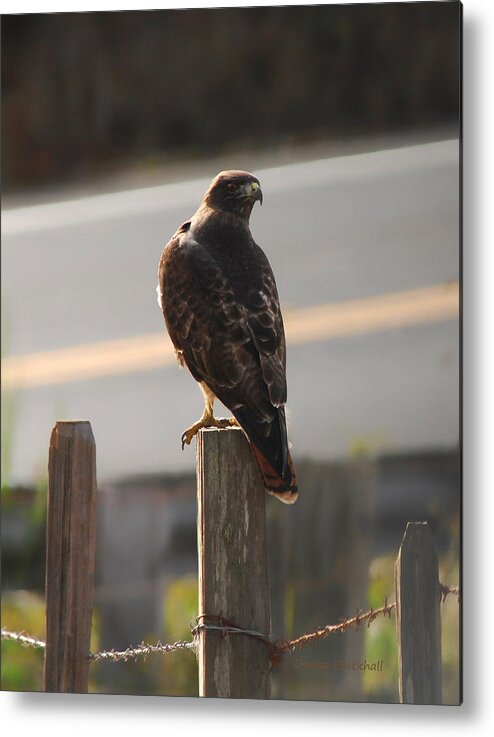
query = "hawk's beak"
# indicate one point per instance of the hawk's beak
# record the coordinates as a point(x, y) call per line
point(256, 191)
point(250, 191)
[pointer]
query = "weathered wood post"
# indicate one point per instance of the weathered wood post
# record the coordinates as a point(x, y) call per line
point(70, 553)
point(233, 567)
point(418, 618)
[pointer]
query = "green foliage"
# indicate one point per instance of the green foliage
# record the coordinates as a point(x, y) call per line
point(380, 644)
point(450, 631)
point(178, 671)
point(23, 545)
point(380, 637)
point(180, 607)
point(366, 446)
point(22, 667)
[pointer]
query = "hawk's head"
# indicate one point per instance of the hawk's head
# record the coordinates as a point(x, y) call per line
point(234, 191)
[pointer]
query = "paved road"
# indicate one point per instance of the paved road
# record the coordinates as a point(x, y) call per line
point(348, 228)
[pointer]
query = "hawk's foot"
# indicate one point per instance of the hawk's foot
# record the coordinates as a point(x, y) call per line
point(211, 421)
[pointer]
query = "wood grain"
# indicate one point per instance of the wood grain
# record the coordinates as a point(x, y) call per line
point(233, 566)
point(418, 617)
point(70, 553)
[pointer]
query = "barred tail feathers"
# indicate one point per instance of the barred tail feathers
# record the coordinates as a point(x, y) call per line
point(286, 490)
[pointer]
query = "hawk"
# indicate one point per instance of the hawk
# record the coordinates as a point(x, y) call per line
point(220, 303)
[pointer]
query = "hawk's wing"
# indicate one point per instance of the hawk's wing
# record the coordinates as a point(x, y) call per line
point(231, 338)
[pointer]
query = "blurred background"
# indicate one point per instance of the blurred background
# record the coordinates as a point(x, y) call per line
point(113, 124)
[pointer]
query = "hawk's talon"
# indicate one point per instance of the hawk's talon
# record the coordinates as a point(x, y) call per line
point(220, 423)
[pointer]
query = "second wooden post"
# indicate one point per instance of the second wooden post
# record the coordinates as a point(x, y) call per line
point(70, 554)
point(418, 617)
point(233, 567)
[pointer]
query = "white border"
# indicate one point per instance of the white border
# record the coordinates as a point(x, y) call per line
point(44, 714)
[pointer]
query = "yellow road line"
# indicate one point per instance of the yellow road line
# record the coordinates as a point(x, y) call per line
point(386, 311)
point(322, 322)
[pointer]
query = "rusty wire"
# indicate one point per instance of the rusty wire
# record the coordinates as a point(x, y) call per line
point(277, 648)
point(445, 590)
point(226, 627)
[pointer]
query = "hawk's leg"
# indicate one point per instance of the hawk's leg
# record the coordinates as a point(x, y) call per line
point(207, 419)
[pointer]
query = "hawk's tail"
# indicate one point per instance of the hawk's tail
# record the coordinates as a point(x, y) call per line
point(284, 489)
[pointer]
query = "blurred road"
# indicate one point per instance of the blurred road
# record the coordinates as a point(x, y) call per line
point(81, 275)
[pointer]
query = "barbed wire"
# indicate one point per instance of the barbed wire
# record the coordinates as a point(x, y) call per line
point(23, 639)
point(445, 590)
point(142, 650)
point(113, 655)
point(277, 648)
point(283, 646)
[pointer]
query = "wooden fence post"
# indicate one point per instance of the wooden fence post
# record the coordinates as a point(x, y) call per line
point(418, 618)
point(233, 566)
point(70, 553)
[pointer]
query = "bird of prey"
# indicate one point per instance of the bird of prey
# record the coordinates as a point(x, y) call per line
point(221, 308)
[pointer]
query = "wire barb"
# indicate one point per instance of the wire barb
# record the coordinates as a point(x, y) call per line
point(142, 650)
point(445, 590)
point(282, 647)
point(276, 648)
point(226, 627)
point(23, 639)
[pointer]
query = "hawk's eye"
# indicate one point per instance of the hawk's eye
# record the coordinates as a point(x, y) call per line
point(231, 187)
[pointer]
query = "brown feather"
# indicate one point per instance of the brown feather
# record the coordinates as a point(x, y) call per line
point(273, 483)
point(222, 312)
